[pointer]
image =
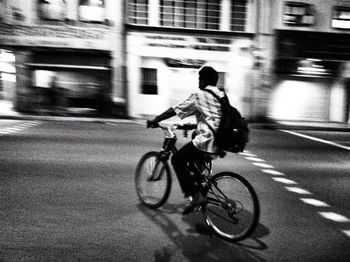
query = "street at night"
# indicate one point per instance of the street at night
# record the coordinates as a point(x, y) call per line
point(68, 194)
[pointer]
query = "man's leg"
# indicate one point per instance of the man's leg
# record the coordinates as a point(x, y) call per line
point(188, 153)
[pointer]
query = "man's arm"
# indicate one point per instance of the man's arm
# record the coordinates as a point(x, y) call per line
point(165, 115)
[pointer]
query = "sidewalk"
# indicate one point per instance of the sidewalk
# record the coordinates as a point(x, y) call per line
point(7, 112)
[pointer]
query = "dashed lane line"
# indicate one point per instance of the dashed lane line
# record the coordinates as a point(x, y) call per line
point(272, 172)
point(256, 159)
point(298, 190)
point(263, 165)
point(314, 202)
point(284, 180)
point(317, 139)
point(346, 232)
point(335, 217)
point(246, 153)
point(269, 169)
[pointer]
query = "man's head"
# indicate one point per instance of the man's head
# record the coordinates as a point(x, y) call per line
point(207, 76)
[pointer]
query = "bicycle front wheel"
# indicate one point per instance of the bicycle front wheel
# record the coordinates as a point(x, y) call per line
point(152, 180)
point(232, 208)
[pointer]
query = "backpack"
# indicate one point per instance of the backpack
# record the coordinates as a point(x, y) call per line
point(233, 132)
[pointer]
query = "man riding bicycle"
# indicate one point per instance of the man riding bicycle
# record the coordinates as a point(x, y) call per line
point(207, 110)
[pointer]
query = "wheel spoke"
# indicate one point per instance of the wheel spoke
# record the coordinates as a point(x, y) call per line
point(152, 180)
point(213, 201)
point(232, 220)
point(224, 218)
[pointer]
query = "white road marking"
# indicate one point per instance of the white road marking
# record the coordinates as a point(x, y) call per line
point(346, 232)
point(247, 154)
point(317, 139)
point(272, 172)
point(298, 190)
point(284, 180)
point(314, 202)
point(255, 159)
point(263, 165)
point(334, 217)
point(19, 127)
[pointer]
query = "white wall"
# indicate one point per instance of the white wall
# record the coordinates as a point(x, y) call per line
point(337, 103)
point(175, 84)
point(300, 99)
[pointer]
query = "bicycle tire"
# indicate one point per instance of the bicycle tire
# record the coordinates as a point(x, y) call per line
point(233, 218)
point(152, 192)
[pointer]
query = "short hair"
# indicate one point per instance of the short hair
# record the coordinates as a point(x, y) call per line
point(209, 74)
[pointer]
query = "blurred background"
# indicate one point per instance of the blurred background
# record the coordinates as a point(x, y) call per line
point(277, 59)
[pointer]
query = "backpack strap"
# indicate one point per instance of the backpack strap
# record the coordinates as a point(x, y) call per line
point(215, 95)
point(219, 100)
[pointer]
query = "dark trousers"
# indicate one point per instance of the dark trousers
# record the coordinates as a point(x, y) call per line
point(188, 153)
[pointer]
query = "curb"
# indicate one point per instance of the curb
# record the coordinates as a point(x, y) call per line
point(68, 119)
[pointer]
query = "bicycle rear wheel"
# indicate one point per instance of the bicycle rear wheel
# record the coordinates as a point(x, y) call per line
point(232, 208)
point(152, 180)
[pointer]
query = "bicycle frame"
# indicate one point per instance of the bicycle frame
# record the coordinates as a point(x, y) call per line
point(201, 172)
point(221, 202)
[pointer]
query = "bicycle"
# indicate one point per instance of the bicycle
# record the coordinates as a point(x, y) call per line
point(231, 208)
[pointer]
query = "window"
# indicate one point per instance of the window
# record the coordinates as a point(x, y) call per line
point(149, 81)
point(238, 15)
point(138, 12)
point(341, 17)
point(197, 14)
point(296, 13)
point(92, 11)
point(52, 10)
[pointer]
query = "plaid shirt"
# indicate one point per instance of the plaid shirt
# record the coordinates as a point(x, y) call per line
point(207, 110)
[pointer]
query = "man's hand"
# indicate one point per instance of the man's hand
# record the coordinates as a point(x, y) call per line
point(152, 123)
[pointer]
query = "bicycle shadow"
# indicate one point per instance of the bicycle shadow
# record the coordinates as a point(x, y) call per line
point(198, 243)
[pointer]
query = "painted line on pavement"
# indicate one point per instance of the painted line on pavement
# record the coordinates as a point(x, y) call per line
point(269, 169)
point(346, 232)
point(298, 190)
point(317, 139)
point(256, 159)
point(263, 165)
point(19, 127)
point(335, 217)
point(272, 172)
point(314, 202)
point(245, 153)
point(284, 180)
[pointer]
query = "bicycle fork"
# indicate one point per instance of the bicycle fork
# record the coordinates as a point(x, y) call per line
point(159, 167)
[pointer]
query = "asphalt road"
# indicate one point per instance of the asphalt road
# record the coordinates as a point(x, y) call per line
point(67, 194)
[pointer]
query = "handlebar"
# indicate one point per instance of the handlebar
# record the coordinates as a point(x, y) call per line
point(169, 130)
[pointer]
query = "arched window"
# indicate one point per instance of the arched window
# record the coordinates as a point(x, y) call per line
point(92, 11)
point(52, 9)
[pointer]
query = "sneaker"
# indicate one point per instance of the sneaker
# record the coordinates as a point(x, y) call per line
point(196, 200)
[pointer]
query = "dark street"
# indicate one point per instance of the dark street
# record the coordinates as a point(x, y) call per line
point(67, 194)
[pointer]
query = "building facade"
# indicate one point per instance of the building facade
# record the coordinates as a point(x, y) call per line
point(75, 46)
point(168, 41)
point(311, 60)
point(286, 60)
